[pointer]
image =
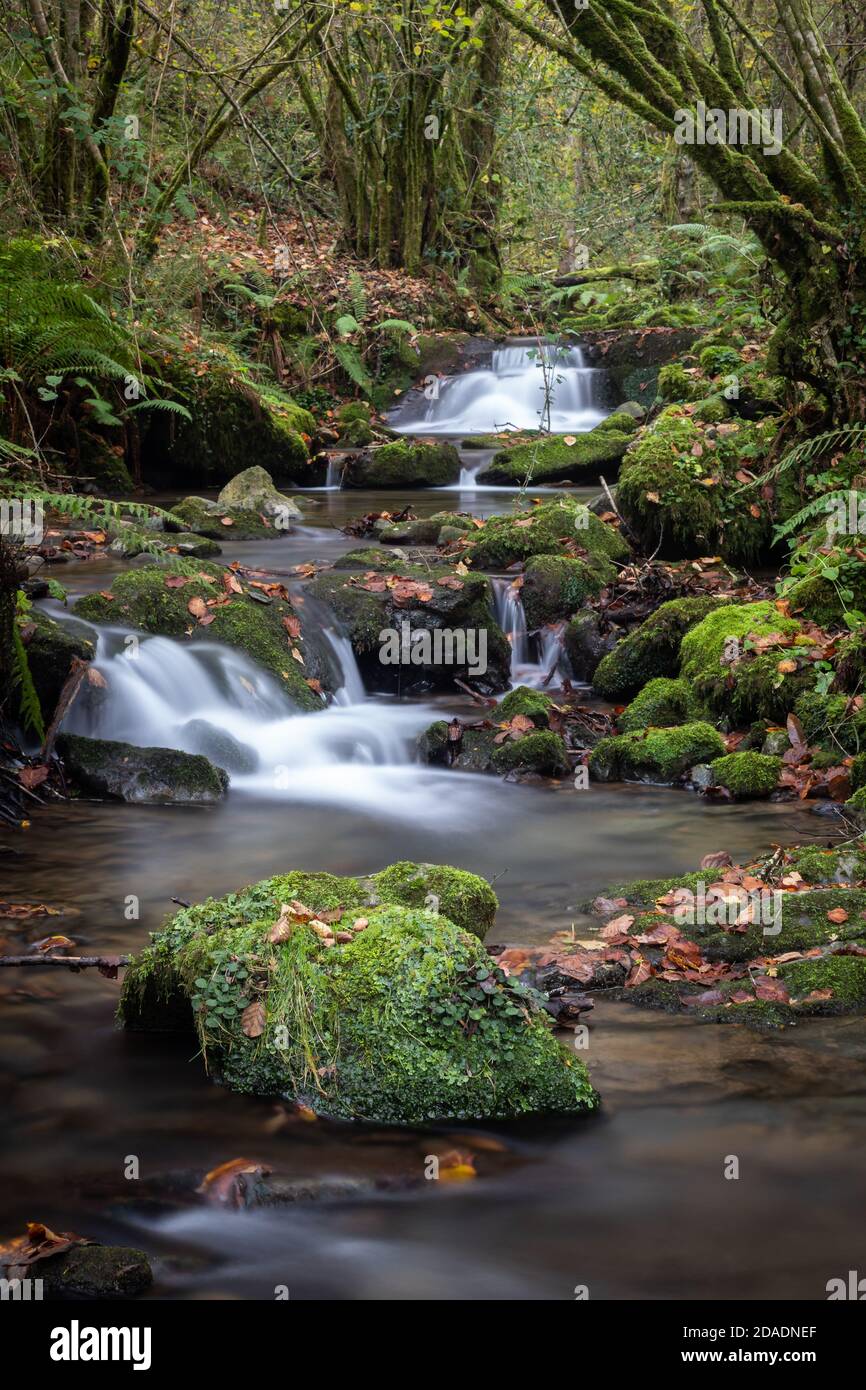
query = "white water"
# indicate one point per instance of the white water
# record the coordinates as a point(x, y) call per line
point(535, 658)
point(527, 386)
point(334, 475)
point(202, 697)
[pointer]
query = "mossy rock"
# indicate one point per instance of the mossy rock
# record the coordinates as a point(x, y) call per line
point(623, 420)
point(655, 755)
point(550, 459)
point(425, 530)
point(555, 586)
point(532, 704)
point(203, 517)
point(196, 547)
point(405, 463)
point(676, 383)
point(663, 703)
point(545, 530)
point(538, 752)
point(142, 599)
point(404, 1020)
point(585, 647)
point(464, 898)
point(828, 985)
point(679, 494)
point(733, 677)
point(652, 649)
point(235, 422)
point(373, 620)
point(712, 410)
point(150, 776)
point(94, 1272)
point(51, 647)
point(747, 776)
point(254, 490)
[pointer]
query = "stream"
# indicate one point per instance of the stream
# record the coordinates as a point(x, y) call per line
point(631, 1202)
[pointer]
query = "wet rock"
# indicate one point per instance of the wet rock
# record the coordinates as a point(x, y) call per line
point(396, 1014)
point(655, 755)
point(206, 518)
point(93, 1272)
point(584, 645)
point(405, 463)
point(555, 586)
point(219, 746)
point(551, 459)
point(123, 772)
point(254, 490)
point(51, 647)
point(702, 777)
point(553, 528)
point(652, 649)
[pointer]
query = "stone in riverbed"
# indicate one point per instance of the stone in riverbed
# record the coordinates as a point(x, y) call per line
point(254, 490)
point(555, 586)
point(51, 647)
point(404, 463)
point(219, 746)
point(562, 526)
point(551, 459)
point(91, 1272)
point(655, 755)
point(403, 1019)
point(652, 649)
point(124, 772)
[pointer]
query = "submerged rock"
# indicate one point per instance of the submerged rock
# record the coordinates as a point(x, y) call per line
point(396, 1016)
point(124, 772)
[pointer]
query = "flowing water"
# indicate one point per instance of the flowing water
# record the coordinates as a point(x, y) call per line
point(526, 385)
point(632, 1202)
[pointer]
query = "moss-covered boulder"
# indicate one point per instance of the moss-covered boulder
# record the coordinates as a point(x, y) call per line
point(555, 586)
point(662, 703)
point(203, 517)
point(551, 459)
point(254, 490)
point(652, 649)
point(353, 423)
point(532, 704)
point(234, 422)
point(396, 1016)
point(585, 646)
point(414, 626)
point(562, 526)
point(655, 755)
point(124, 772)
point(157, 599)
point(738, 658)
point(747, 776)
point(832, 722)
point(425, 530)
point(493, 747)
point(92, 1272)
point(404, 463)
point(464, 898)
point(680, 496)
point(51, 647)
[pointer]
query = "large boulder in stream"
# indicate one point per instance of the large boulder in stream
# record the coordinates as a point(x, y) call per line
point(51, 648)
point(516, 741)
point(151, 776)
point(414, 626)
point(404, 463)
point(387, 1013)
point(216, 605)
point(580, 458)
point(562, 526)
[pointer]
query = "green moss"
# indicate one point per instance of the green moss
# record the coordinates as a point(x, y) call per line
point(652, 649)
point(463, 898)
point(406, 1022)
point(622, 420)
point(724, 669)
point(204, 518)
point(51, 648)
point(550, 460)
point(125, 772)
point(829, 721)
point(556, 586)
point(747, 775)
point(542, 752)
point(662, 703)
point(655, 754)
point(712, 410)
point(716, 360)
point(533, 704)
point(141, 599)
point(545, 530)
point(405, 463)
point(676, 384)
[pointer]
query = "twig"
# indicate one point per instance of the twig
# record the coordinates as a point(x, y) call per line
point(107, 964)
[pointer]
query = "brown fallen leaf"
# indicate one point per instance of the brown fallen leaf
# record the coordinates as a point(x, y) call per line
point(31, 777)
point(253, 1019)
point(230, 1183)
point(837, 915)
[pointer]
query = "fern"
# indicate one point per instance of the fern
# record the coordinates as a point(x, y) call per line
point(824, 503)
point(809, 449)
point(353, 365)
point(358, 296)
point(31, 712)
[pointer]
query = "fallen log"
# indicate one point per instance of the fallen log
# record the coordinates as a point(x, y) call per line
point(106, 965)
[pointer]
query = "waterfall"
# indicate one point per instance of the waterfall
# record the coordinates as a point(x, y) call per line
point(203, 697)
point(527, 386)
point(546, 646)
point(334, 475)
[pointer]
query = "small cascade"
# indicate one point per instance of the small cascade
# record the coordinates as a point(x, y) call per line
point(527, 385)
point(202, 697)
point(334, 475)
point(535, 658)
